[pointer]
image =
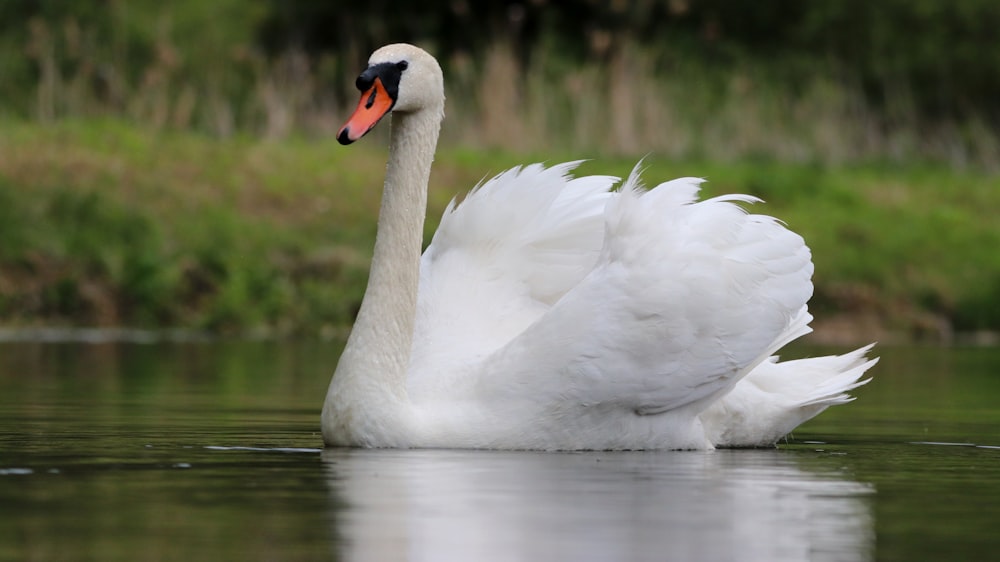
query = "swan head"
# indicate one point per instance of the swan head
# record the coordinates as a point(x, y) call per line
point(400, 78)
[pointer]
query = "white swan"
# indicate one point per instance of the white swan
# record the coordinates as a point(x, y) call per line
point(553, 313)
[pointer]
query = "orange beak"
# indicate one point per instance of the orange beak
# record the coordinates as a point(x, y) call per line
point(375, 103)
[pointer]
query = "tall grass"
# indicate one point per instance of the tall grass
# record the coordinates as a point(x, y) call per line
point(233, 89)
point(640, 102)
point(633, 101)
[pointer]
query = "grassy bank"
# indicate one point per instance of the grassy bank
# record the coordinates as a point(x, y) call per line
point(103, 223)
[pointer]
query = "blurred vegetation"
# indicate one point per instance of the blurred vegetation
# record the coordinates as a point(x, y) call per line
point(845, 80)
point(171, 164)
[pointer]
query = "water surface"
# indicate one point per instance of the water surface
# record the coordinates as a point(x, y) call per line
point(197, 451)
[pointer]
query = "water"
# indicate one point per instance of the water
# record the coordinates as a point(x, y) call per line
point(211, 451)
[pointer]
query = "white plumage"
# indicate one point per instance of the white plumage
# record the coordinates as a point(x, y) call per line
point(557, 313)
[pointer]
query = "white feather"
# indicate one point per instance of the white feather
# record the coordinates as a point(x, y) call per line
point(557, 313)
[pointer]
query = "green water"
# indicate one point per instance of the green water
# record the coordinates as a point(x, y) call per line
point(211, 451)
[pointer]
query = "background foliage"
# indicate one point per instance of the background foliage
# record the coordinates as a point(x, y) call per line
point(942, 55)
point(141, 181)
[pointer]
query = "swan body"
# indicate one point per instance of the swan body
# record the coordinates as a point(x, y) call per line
point(555, 313)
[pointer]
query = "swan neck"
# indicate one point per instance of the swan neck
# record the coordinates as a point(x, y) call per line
point(367, 402)
point(390, 302)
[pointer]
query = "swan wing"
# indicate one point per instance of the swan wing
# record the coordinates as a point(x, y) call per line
point(498, 261)
point(683, 300)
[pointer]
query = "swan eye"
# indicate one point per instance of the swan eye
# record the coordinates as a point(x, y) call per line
point(402, 65)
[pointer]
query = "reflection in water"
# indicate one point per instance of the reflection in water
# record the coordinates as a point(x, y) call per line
point(484, 505)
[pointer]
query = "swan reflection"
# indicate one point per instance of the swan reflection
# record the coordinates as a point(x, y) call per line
point(484, 505)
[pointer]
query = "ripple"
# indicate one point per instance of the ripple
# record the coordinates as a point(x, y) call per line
point(949, 444)
point(306, 450)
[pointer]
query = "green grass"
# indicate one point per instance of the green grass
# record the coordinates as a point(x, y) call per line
point(104, 223)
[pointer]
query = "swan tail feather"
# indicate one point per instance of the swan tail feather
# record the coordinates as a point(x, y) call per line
point(776, 397)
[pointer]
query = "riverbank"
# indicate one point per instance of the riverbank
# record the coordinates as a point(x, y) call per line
point(104, 224)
